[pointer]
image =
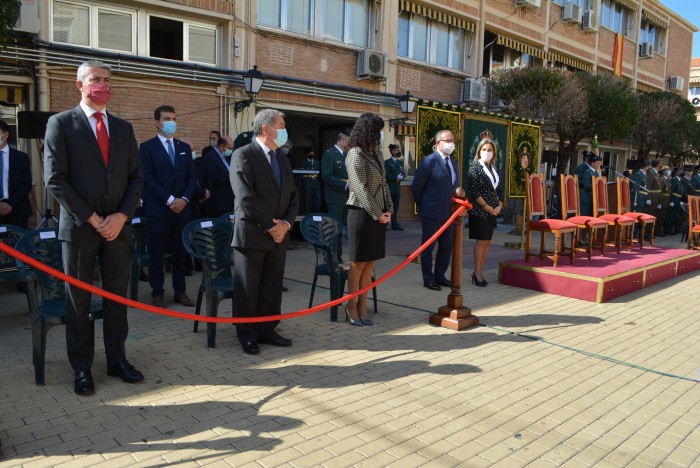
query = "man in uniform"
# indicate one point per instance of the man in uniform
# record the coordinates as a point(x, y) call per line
point(695, 181)
point(664, 200)
point(674, 204)
point(335, 178)
point(585, 173)
point(394, 176)
point(653, 205)
point(638, 188)
point(310, 185)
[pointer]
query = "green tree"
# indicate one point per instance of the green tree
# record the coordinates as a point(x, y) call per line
point(9, 11)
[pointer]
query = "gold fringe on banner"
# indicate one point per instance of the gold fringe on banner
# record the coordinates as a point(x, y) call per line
point(405, 5)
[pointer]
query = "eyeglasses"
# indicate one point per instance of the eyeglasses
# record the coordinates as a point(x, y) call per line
point(447, 141)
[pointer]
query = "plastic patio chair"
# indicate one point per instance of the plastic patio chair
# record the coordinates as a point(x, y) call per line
point(209, 240)
point(325, 233)
point(46, 294)
point(10, 234)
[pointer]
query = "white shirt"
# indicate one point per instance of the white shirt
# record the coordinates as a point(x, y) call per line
point(265, 149)
point(163, 140)
point(5, 154)
point(89, 112)
point(446, 158)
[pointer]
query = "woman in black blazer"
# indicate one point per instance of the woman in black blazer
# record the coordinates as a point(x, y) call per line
point(485, 188)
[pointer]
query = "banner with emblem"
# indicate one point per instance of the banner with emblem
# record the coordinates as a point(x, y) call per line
point(429, 121)
point(523, 157)
point(473, 131)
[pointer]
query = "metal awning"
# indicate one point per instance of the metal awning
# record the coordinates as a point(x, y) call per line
point(411, 7)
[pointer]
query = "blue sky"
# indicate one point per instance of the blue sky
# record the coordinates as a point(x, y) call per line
point(690, 10)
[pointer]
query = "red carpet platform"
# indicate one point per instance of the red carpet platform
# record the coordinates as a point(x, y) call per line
point(601, 278)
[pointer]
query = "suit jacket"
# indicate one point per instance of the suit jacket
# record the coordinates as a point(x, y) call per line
point(585, 174)
point(333, 172)
point(76, 175)
point(221, 191)
point(480, 186)
point(162, 179)
point(433, 188)
point(258, 199)
point(393, 168)
point(368, 188)
point(19, 183)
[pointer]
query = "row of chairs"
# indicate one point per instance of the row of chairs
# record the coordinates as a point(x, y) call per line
point(623, 222)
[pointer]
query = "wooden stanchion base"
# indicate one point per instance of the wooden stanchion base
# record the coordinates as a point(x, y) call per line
point(454, 319)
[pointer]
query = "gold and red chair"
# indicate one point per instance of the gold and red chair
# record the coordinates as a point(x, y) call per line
point(536, 206)
point(624, 208)
point(623, 225)
point(570, 212)
point(693, 222)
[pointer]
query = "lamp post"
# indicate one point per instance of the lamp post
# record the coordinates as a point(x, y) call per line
point(252, 82)
point(407, 107)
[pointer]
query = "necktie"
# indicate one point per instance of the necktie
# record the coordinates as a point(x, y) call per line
point(171, 151)
point(449, 169)
point(276, 167)
point(2, 174)
point(102, 136)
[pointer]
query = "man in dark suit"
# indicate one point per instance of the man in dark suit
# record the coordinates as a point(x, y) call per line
point(266, 204)
point(170, 179)
point(92, 167)
point(15, 182)
point(394, 176)
point(433, 186)
point(218, 165)
point(214, 137)
point(335, 178)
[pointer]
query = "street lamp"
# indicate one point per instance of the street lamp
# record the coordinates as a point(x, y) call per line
point(407, 107)
point(252, 82)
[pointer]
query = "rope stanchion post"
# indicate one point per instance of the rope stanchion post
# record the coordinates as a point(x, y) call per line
point(455, 315)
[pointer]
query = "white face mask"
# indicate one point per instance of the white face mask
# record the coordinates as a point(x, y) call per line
point(448, 148)
point(668, 173)
point(486, 155)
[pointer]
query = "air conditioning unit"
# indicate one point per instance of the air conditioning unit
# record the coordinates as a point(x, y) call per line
point(646, 50)
point(696, 101)
point(589, 21)
point(675, 83)
point(571, 13)
point(371, 64)
point(528, 3)
point(493, 100)
point(28, 20)
point(473, 90)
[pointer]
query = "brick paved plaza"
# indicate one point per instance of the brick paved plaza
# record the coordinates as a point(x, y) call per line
point(545, 380)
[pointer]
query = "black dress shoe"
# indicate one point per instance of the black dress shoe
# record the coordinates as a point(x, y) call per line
point(83, 384)
point(275, 339)
point(433, 286)
point(444, 282)
point(158, 301)
point(250, 347)
point(126, 372)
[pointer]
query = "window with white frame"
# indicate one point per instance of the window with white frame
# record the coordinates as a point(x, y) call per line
point(344, 21)
point(94, 26)
point(650, 33)
point(617, 17)
point(430, 41)
point(174, 39)
point(499, 57)
point(584, 4)
point(694, 91)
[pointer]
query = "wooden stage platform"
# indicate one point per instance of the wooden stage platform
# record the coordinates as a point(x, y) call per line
point(601, 278)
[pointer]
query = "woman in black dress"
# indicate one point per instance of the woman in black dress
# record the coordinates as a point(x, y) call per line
point(485, 188)
point(370, 208)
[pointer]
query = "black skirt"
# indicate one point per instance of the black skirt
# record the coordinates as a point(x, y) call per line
point(366, 237)
point(481, 228)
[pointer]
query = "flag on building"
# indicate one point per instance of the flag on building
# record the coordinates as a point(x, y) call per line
point(617, 54)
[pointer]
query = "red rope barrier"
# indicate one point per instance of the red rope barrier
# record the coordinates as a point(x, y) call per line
point(203, 318)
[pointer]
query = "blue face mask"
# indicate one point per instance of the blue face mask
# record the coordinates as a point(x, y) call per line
point(281, 137)
point(169, 127)
point(228, 152)
point(381, 137)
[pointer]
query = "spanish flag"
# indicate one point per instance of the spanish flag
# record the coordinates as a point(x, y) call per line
point(617, 54)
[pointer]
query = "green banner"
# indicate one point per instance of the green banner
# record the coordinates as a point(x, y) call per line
point(430, 121)
point(522, 157)
point(473, 131)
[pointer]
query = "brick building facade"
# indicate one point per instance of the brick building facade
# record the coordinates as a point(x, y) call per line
point(192, 54)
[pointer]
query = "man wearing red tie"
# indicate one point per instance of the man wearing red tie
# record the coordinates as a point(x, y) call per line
point(93, 168)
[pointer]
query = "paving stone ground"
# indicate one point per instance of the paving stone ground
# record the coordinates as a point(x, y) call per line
point(544, 380)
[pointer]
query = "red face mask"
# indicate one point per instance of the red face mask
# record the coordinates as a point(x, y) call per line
point(99, 93)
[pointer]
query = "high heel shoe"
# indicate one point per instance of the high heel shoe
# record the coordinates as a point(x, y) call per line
point(366, 321)
point(356, 323)
point(476, 281)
